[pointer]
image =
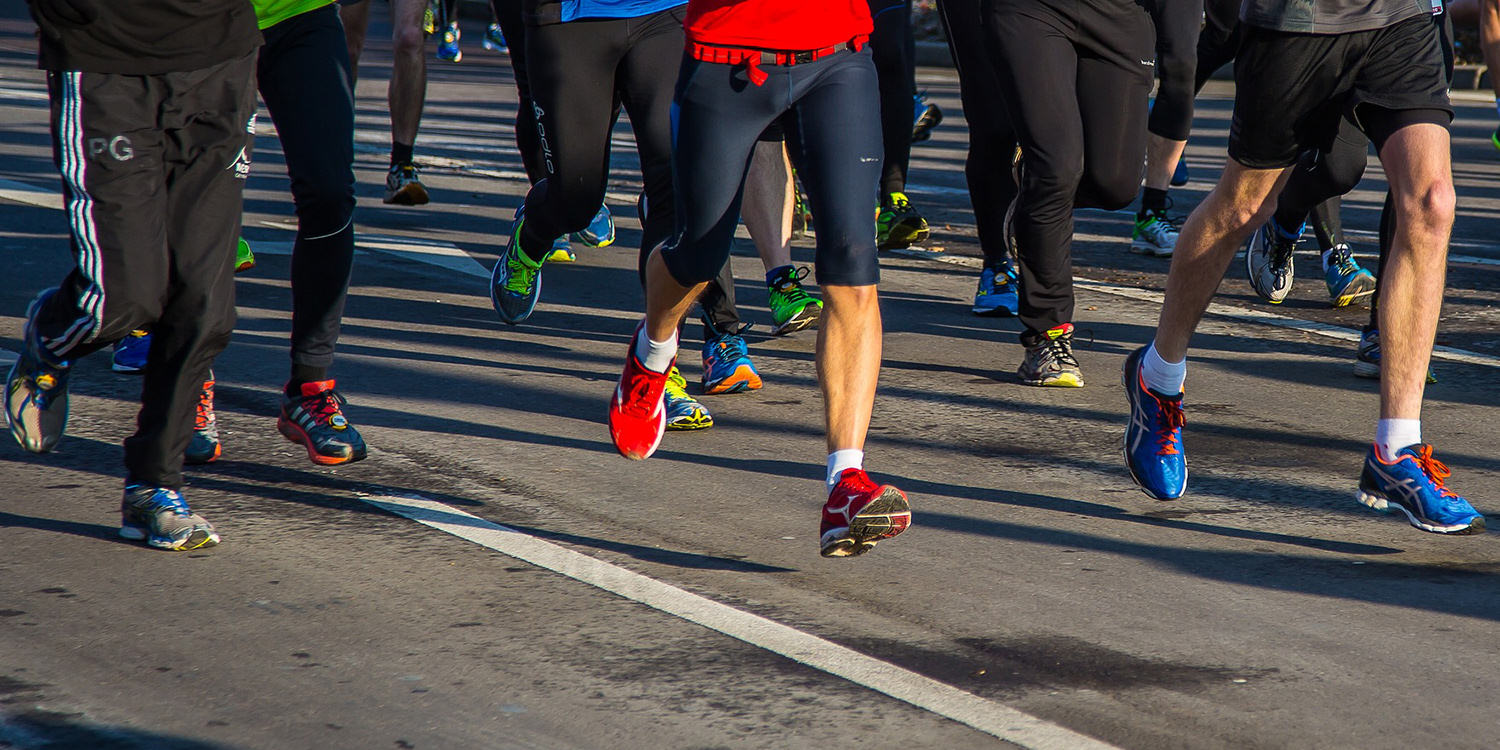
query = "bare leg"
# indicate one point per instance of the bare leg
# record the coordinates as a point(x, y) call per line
point(767, 207)
point(667, 302)
point(1244, 199)
point(408, 89)
point(1162, 156)
point(1417, 163)
point(849, 362)
point(356, 20)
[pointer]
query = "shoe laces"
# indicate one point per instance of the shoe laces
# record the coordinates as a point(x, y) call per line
point(1059, 350)
point(1281, 253)
point(522, 277)
point(789, 285)
point(203, 416)
point(1343, 260)
point(1173, 419)
point(642, 393)
point(730, 347)
point(324, 406)
point(898, 204)
point(1437, 471)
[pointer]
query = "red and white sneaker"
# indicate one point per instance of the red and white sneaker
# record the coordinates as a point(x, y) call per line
point(637, 417)
point(860, 513)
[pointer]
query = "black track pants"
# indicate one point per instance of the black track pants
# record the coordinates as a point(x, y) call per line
point(153, 168)
point(894, 50)
point(508, 15)
point(303, 74)
point(576, 70)
point(1075, 80)
point(1177, 23)
point(992, 142)
point(1218, 41)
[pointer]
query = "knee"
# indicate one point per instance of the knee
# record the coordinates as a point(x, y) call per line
point(841, 297)
point(1113, 190)
point(1429, 208)
point(407, 41)
point(1052, 184)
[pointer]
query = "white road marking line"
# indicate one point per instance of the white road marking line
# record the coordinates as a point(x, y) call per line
point(8, 357)
point(443, 254)
point(942, 699)
point(10, 93)
point(31, 195)
point(1249, 315)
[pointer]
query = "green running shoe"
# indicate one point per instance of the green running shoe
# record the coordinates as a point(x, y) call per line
point(792, 308)
point(898, 225)
point(683, 411)
point(244, 260)
point(516, 282)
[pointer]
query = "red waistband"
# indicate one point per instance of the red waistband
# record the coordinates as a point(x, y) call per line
point(752, 59)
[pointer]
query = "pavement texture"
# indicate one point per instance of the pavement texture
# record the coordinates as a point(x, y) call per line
point(1266, 609)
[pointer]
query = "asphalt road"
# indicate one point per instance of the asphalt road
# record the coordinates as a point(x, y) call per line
point(1264, 610)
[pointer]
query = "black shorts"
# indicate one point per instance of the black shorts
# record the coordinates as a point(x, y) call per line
point(1291, 89)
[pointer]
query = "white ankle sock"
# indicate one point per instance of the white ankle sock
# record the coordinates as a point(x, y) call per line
point(1391, 435)
point(839, 461)
point(655, 355)
point(1162, 376)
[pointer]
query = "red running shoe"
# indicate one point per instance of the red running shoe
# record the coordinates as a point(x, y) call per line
point(860, 513)
point(637, 418)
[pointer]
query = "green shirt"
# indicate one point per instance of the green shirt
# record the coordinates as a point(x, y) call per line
point(272, 12)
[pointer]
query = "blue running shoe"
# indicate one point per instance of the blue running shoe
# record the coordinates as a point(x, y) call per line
point(448, 47)
point(494, 39)
point(1180, 175)
point(727, 367)
point(1153, 439)
point(601, 230)
point(36, 390)
point(516, 281)
point(130, 353)
point(1347, 281)
point(683, 411)
point(561, 252)
point(997, 295)
point(1413, 484)
point(161, 518)
point(924, 117)
point(1367, 356)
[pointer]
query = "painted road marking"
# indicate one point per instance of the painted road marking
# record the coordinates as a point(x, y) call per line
point(442, 254)
point(1246, 314)
point(940, 698)
point(31, 195)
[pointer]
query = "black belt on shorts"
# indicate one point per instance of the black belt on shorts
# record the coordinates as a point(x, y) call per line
point(752, 59)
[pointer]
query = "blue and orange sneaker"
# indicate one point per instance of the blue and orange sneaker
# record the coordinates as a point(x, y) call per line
point(997, 294)
point(1413, 484)
point(130, 353)
point(1347, 281)
point(727, 367)
point(1153, 438)
point(160, 517)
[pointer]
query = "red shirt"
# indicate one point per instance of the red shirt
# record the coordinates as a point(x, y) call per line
point(787, 25)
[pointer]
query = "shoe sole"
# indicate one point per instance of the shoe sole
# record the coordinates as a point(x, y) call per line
point(1363, 369)
point(1360, 288)
point(1146, 248)
point(410, 194)
point(191, 460)
point(903, 240)
point(295, 434)
point(993, 312)
point(799, 321)
point(688, 424)
point(886, 516)
point(196, 540)
point(1130, 396)
point(1060, 381)
point(1377, 502)
point(561, 256)
point(742, 379)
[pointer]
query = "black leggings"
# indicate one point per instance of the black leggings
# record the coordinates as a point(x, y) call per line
point(1076, 90)
point(992, 141)
point(1177, 23)
point(304, 76)
point(894, 49)
point(508, 15)
point(721, 115)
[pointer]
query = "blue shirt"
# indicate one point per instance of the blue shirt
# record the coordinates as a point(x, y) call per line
point(573, 10)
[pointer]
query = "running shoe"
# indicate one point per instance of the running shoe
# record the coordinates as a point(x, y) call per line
point(561, 252)
point(448, 47)
point(130, 352)
point(860, 513)
point(1153, 437)
point(244, 260)
point(315, 419)
point(898, 225)
point(1268, 262)
point(161, 518)
point(516, 282)
point(1049, 360)
point(601, 230)
point(802, 218)
point(494, 39)
point(637, 418)
point(683, 411)
point(997, 296)
point(1347, 282)
point(1367, 356)
point(1495, 138)
point(792, 307)
point(403, 186)
point(36, 390)
point(1155, 234)
point(925, 117)
point(429, 18)
point(1180, 175)
point(1413, 484)
point(204, 447)
point(727, 367)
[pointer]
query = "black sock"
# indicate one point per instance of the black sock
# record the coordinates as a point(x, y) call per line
point(304, 374)
point(401, 153)
point(1152, 200)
